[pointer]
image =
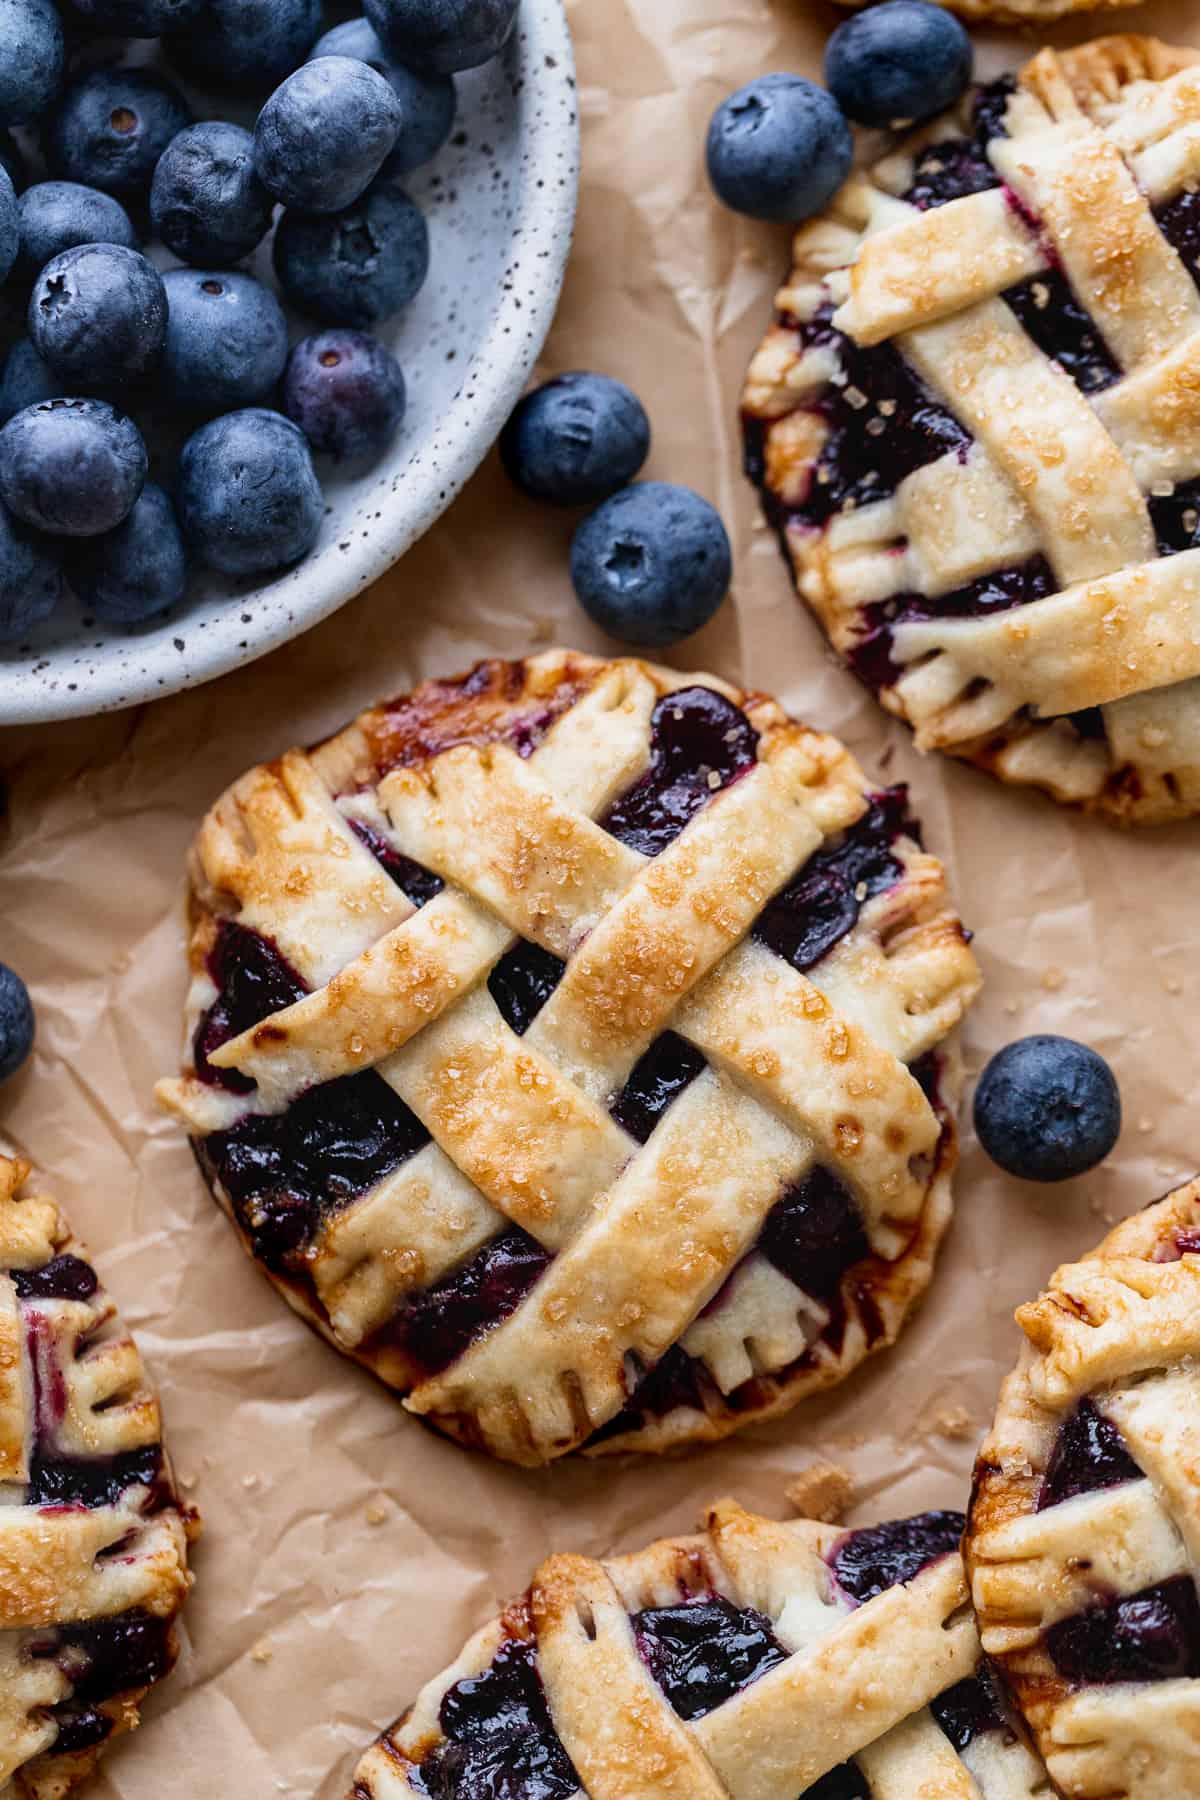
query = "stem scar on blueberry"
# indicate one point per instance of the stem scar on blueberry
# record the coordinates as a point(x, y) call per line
point(123, 120)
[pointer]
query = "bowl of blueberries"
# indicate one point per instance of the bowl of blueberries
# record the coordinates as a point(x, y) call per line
point(270, 285)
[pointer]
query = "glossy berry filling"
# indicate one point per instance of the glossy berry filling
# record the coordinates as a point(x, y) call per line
point(418, 882)
point(704, 1652)
point(843, 1783)
point(62, 1278)
point(253, 978)
point(960, 166)
point(699, 743)
point(283, 1173)
point(1151, 1636)
point(1176, 518)
point(522, 982)
point(970, 1709)
point(103, 1659)
point(1179, 222)
point(437, 1324)
point(1089, 1454)
point(821, 904)
point(868, 1562)
point(1060, 326)
point(814, 1234)
point(871, 655)
point(500, 1742)
point(657, 1080)
point(97, 1480)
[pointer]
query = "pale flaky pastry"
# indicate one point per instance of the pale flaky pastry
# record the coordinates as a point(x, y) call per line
point(1083, 1541)
point(976, 427)
point(756, 1661)
point(568, 1042)
point(93, 1537)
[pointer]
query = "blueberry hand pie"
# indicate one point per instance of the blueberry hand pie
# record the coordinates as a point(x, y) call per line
point(1022, 12)
point(93, 1538)
point(567, 1042)
point(1083, 1541)
point(757, 1661)
point(976, 427)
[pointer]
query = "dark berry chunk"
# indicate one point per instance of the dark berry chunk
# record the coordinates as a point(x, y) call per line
point(871, 656)
point(436, 1325)
point(970, 1708)
point(902, 61)
point(704, 1652)
point(253, 979)
point(1151, 1636)
point(1047, 1108)
point(816, 909)
point(62, 1278)
point(846, 1782)
point(1088, 1454)
point(814, 1234)
point(121, 1654)
point(653, 564)
point(1179, 222)
point(576, 440)
point(1054, 319)
point(501, 1742)
point(1176, 518)
point(96, 1481)
point(522, 982)
point(345, 390)
point(658, 1078)
point(418, 882)
point(868, 1562)
point(695, 734)
point(778, 148)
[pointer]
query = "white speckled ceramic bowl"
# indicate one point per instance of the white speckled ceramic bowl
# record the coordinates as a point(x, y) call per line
point(500, 200)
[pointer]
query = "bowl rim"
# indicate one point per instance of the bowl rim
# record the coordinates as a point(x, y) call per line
point(547, 182)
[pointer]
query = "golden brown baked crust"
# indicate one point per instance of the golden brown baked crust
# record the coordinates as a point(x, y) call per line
point(82, 1476)
point(1087, 1499)
point(1021, 12)
point(795, 1072)
point(1024, 596)
point(851, 1683)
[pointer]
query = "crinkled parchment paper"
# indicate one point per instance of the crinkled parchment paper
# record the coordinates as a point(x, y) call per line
point(348, 1551)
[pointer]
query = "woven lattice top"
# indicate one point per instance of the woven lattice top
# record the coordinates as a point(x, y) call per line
point(977, 425)
point(84, 1631)
point(541, 1009)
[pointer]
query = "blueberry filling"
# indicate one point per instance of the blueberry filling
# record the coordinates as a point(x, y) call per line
point(253, 979)
point(970, 1709)
point(961, 166)
point(658, 1079)
point(704, 1652)
point(522, 982)
point(437, 1324)
point(699, 743)
point(1054, 319)
point(1179, 222)
point(103, 1659)
point(284, 1172)
point(867, 1562)
point(1089, 1454)
point(418, 882)
point(1151, 1636)
point(814, 1234)
point(871, 655)
point(821, 904)
point(500, 1742)
point(62, 1278)
point(1176, 518)
point(97, 1481)
point(677, 1379)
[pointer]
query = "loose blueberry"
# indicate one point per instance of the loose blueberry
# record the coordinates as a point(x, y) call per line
point(31, 586)
point(71, 467)
point(428, 103)
point(31, 59)
point(137, 18)
point(98, 316)
point(1047, 1108)
point(354, 267)
point(12, 161)
point(58, 215)
point(652, 564)
point(778, 149)
point(576, 440)
point(346, 393)
point(16, 1021)
point(443, 35)
point(10, 224)
point(322, 137)
point(226, 340)
point(26, 380)
point(248, 499)
point(111, 128)
point(139, 569)
point(245, 45)
point(898, 62)
point(206, 202)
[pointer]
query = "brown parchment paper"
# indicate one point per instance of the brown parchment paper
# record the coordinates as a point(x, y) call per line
point(348, 1552)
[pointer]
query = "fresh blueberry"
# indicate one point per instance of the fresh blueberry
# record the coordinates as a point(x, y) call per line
point(428, 103)
point(354, 267)
point(136, 571)
point(1047, 1108)
point(778, 149)
point(98, 316)
point(346, 393)
point(12, 161)
point(26, 380)
point(443, 35)
point(322, 137)
point(71, 467)
point(246, 45)
point(16, 1022)
point(226, 340)
point(576, 440)
point(31, 59)
point(57, 215)
point(898, 62)
point(137, 18)
point(652, 564)
point(206, 202)
point(31, 586)
point(10, 224)
point(111, 127)
point(248, 499)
